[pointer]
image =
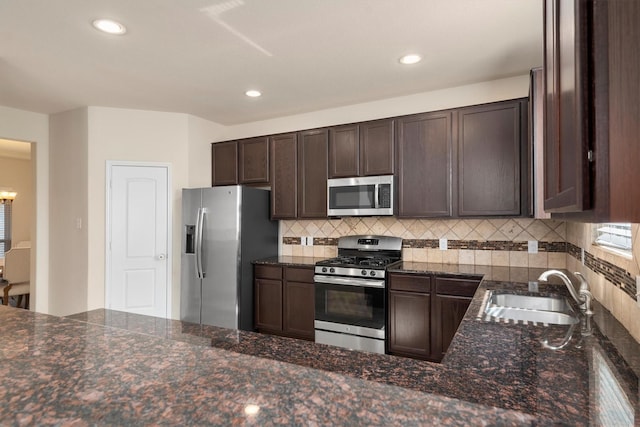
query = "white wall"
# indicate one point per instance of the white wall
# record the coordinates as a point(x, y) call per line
point(17, 174)
point(26, 126)
point(69, 243)
point(479, 93)
point(133, 135)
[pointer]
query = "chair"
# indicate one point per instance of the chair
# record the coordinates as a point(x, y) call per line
point(17, 273)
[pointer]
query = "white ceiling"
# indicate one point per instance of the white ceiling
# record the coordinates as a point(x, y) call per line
point(200, 56)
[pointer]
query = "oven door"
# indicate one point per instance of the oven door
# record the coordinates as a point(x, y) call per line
point(353, 301)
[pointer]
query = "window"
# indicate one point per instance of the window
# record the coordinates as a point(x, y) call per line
point(5, 227)
point(613, 235)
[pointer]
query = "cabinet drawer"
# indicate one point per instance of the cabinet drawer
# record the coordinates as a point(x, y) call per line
point(268, 272)
point(409, 283)
point(297, 274)
point(456, 287)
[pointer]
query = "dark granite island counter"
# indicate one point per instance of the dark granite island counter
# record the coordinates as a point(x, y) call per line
point(59, 371)
point(118, 368)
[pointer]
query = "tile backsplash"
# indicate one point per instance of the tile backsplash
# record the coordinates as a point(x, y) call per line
point(499, 242)
point(612, 276)
point(496, 242)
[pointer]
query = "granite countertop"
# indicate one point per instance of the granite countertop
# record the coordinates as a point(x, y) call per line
point(110, 367)
point(66, 371)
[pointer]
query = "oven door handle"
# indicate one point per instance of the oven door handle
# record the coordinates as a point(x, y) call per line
point(349, 281)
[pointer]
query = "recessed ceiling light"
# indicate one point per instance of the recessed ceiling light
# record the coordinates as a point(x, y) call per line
point(410, 59)
point(253, 93)
point(109, 26)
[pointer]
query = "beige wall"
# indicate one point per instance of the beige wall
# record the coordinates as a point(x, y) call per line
point(201, 134)
point(134, 136)
point(619, 303)
point(32, 127)
point(17, 174)
point(497, 90)
point(69, 244)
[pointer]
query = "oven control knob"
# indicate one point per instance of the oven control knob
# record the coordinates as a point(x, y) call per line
point(324, 269)
point(373, 273)
point(332, 270)
point(364, 272)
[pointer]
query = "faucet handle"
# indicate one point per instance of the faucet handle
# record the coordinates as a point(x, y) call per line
point(584, 285)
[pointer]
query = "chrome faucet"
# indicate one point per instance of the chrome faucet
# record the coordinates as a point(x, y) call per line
point(583, 297)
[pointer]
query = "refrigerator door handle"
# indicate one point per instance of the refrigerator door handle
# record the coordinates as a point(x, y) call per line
point(199, 243)
point(203, 273)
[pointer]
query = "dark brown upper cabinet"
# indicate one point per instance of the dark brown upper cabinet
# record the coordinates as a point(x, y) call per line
point(377, 147)
point(253, 161)
point(492, 150)
point(363, 149)
point(425, 165)
point(566, 143)
point(313, 149)
point(344, 151)
point(224, 163)
point(245, 161)
point(284, 176)
point(591, 110)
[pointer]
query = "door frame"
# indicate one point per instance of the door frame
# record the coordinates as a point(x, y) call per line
point(110, 164)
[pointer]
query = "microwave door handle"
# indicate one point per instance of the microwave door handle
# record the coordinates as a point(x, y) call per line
point(376, 196)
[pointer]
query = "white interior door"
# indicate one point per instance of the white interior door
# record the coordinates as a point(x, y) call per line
point(137, 277)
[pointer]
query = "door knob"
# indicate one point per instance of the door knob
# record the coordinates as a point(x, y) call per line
point(162, 256)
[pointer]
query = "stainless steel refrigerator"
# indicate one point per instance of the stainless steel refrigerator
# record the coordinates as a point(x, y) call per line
point(224, 229)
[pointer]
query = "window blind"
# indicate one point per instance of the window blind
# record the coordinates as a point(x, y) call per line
point(614, 235)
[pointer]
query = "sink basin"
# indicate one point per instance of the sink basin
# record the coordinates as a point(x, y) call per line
point(511, 306)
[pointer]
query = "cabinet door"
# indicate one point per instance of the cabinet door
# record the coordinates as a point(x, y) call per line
point(377, 148)
point(344, 151)
point(566, 144)
point(425, 166)
point(313, 149)
point(224, 163)
point(253, 160)
point(489, 159)
point(448, 311)
point(284, 176)
point(452, 299)
point(268, 305)
point(299, 306)
point(409, 324)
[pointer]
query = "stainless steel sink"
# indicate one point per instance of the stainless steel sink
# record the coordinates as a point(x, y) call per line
point(512, 306)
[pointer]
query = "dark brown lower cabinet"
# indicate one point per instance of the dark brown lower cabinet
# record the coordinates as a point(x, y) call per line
point(268, 298)
point(284, 301)
point(425, 312)
point(409, 315)
point(299, 303)
point(409, 324)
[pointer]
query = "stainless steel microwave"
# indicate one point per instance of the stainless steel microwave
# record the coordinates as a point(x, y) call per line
point(364, 196)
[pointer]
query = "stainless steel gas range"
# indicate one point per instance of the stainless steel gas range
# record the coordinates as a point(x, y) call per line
point(351, 292)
